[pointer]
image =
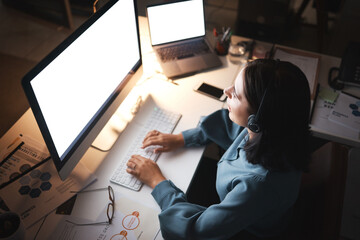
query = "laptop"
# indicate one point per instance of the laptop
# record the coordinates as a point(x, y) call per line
point(177, 33)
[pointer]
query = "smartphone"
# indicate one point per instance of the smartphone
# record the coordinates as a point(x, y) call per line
point(210, 91)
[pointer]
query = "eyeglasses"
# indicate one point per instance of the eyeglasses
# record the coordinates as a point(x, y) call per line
point(110, 208)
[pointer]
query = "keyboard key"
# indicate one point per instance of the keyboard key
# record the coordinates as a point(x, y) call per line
point(160, 120)
point(184, 50)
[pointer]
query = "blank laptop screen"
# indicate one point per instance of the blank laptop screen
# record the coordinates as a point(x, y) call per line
point(176, 21)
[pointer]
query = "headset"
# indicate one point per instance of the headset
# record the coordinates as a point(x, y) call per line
point(253, 119)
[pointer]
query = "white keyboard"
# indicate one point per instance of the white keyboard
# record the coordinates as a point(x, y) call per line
point(161, 120)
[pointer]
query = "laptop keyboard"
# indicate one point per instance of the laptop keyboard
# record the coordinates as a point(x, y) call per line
point(183, 50)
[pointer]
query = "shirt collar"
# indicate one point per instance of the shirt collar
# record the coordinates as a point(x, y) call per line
point(244, 135)
point(233, 152)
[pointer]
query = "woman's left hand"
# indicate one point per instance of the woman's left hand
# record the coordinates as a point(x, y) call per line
point(146, 170)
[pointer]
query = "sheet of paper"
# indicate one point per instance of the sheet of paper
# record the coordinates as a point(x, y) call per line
point(40, 191)
point(28, 153)
point(132, 221)
point(346, 112)
point(306, 63)
point(320, 120)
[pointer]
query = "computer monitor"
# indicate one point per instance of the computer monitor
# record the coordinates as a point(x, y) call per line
point(74, 91)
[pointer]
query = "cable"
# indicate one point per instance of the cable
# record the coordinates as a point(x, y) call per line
point(94, 6)
point(42, 223)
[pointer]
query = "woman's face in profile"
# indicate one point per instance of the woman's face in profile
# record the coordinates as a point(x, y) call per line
point(237, 102)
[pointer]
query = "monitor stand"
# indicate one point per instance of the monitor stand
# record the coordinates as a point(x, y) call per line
point(109, 134)
point(117, 124)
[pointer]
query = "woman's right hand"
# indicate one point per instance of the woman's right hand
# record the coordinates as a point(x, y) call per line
point(165, 142)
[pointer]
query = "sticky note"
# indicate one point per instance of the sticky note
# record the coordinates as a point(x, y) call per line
point(328, 94)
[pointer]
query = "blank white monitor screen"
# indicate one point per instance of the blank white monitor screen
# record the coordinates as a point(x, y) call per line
point(72, 90)
point(172, 22)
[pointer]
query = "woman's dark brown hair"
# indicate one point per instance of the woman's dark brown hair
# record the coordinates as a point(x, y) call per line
point(284, 116)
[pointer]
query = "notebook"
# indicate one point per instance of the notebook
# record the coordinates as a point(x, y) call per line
point(177, 33)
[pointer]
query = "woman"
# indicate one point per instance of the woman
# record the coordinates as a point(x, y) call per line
point(264, 132)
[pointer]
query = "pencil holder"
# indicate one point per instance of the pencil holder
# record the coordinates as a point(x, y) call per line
point(222, 47)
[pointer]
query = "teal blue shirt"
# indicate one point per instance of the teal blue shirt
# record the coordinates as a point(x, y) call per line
point(252, 197)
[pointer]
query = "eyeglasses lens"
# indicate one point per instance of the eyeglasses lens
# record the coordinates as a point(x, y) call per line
point(111, 206)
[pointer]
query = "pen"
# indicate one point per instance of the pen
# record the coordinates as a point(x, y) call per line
point(225, 34)
point(227, 38)
point(10, 154)
point(215, 32)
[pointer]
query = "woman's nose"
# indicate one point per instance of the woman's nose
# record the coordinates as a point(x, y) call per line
point(227, 92)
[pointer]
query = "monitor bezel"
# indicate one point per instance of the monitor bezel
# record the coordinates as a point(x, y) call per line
point(106, 107)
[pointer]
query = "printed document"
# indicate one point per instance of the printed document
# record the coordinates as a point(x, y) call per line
point(41, 190)
point(132, 221)
point(346, 112)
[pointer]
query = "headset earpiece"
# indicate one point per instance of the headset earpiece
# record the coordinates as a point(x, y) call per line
point(253, 125)
point(253, 119)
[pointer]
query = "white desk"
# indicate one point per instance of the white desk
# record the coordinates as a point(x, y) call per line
point(179, 166)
